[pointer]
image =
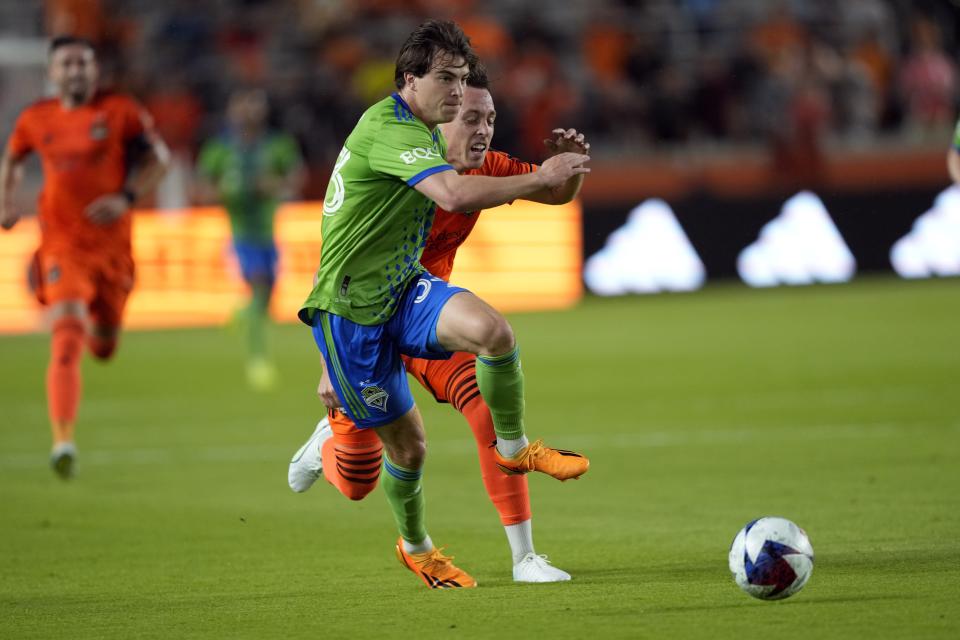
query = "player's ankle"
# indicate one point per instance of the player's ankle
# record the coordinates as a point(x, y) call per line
point(423, 546)
point(510, 447)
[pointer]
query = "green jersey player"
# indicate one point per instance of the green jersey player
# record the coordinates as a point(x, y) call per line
point(249, 168)
point(373, 301)
point(953, 156)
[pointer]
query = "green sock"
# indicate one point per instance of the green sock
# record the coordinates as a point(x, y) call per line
point(500, 380)
point(257, 321)
point(405, 495)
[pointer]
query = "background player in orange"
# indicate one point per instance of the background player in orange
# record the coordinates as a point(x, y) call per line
point(99, 155)
point(350, 458)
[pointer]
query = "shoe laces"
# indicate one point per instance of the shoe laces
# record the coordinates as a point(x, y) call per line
point(436, 562)
point(537, 559)
point(533, 451)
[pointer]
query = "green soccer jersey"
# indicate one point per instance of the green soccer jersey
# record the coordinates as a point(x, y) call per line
point(236, 168)
point(956, 136)
point(375, 224)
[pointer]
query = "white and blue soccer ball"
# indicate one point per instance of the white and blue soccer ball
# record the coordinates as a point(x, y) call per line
point(771, 558)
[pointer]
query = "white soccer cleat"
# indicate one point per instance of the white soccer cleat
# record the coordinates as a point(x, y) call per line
point(63, 459)
point(536, 568)
point(307, 463)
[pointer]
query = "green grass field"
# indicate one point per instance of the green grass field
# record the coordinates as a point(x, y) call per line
point(834, 406)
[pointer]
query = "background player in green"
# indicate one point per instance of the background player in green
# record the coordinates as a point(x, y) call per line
point(373, 301)
point(250, 168)
point(953, 156)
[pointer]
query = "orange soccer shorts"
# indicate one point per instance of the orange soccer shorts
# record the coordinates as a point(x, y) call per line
point(103, 282)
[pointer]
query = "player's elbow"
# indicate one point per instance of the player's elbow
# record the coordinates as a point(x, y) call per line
point(953, 165)
point(160, 157)
point(452, 200)
point(448, 190)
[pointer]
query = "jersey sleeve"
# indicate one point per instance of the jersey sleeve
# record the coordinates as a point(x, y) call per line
point(136, 130)
point(210, 160)
point(284, 155)
point(501, 165)
point(137, 123)
point(406, 150)
point(20, 142)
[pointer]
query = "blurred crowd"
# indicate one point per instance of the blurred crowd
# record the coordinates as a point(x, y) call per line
point(636, 75)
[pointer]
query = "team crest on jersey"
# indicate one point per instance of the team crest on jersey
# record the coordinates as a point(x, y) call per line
point(98, 130)
point(374, 396)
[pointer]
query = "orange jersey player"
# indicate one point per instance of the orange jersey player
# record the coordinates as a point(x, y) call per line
point(351, 458)
point(99, 154)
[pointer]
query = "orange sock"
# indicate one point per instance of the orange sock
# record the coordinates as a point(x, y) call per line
point(509, 494)
point(352, 458)
point(63, 377)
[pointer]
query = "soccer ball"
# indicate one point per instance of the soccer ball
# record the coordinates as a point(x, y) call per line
point(771, 558)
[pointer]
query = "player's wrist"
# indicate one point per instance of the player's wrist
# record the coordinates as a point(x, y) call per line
point(540, 179)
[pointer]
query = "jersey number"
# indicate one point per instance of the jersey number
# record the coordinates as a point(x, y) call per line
point(334, 200)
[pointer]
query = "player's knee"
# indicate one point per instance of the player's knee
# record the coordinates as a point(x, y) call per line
point(409, 454)
point(498, 336)
point(102, 348)
point(66, 342)
point(487, 333)
point(102, 341)
point(356, 491)
point(262, 289)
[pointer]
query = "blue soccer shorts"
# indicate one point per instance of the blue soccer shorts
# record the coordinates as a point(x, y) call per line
point(258, 261)
point(364, 361)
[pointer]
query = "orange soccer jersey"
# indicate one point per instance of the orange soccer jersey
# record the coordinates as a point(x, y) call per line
point(450, 229)
point(85, 154)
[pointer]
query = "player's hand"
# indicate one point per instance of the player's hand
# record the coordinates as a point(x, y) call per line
point(564, 140)
point(108, 208)
point(328, 396)
point(557, 169)
point(8, 218)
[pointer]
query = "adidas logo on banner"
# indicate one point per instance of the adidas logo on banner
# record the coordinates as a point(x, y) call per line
point(800, 246)
point(648, 254)
point(932, 248)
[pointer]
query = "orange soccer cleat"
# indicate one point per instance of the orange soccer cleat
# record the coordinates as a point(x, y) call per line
point(434, 568)
point(559, 463)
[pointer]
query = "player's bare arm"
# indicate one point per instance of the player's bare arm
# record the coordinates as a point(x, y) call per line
point(563, 141)
point(454, 192)
point(953, 165)
point(11, 172)
point(326, 392)
point(146, 174)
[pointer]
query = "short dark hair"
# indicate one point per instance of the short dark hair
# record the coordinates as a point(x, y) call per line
point(67, 40)
point(432, 37)
point(477, 78)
